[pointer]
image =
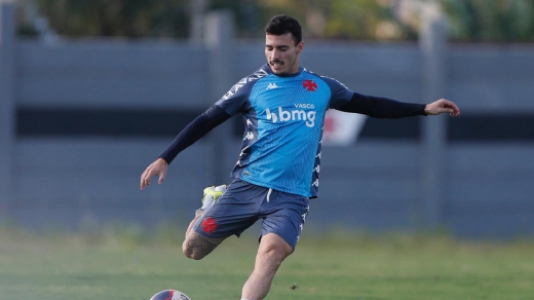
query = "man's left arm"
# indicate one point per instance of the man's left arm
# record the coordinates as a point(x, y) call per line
point(379, 107)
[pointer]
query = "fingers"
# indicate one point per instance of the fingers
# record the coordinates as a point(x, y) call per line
point(453, 106)
point(162, 176)
point(448, 107)
point(141, 186)
point(159, 167)
point(453, 109)
point(145, 177)
point(454, 112)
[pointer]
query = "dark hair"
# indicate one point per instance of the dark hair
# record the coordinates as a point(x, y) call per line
point(282, 24)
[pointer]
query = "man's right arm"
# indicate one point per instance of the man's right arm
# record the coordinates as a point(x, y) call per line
point(230, 104)
point(199, 127)
point(189, 135)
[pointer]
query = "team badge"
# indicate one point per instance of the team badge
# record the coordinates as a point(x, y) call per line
point(309, 85)
point(209, 225)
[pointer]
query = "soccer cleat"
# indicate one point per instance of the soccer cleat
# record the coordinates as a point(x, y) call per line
point(211, 194)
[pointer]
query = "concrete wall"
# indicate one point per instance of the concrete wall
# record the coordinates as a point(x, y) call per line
point(89, 116)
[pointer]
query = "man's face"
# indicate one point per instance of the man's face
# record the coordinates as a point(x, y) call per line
point(282, 53)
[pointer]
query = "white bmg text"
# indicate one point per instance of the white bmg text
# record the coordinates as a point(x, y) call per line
point(293, 115)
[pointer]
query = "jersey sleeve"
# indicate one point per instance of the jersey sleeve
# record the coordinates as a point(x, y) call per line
point(380, 107)
point(236, 99)
point(202, 124)
point(340, 93)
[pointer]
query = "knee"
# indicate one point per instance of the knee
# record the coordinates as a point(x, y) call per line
point(193, 255)
point(274, 255)
point(190, 252)
point(273, 250)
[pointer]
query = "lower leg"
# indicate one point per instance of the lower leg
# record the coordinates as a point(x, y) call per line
point(272, 251)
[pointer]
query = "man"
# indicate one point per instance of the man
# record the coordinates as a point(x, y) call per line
point(283, 106)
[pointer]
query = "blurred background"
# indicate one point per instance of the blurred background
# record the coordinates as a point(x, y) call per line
point(91, 92)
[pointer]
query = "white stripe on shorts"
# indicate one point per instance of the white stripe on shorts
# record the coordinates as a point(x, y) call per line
point(269, 194)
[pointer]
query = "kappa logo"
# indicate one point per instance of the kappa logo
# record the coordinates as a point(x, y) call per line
point(271, 86)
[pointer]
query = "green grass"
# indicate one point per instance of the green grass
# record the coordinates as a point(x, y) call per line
point(128, 266)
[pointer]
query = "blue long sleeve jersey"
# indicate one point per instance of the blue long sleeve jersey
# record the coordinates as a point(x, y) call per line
point(283, 118)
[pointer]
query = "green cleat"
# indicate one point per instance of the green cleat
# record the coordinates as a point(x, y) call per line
point(211, 194)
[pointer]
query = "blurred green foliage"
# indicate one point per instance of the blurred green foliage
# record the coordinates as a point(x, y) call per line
point(470, 20)
point(491, 20)
point(125, 18)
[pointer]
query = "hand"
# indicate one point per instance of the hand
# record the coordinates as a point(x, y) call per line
point(158, 167)
point(442, 106)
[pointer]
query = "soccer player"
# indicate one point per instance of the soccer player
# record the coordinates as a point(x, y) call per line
point(283, 107)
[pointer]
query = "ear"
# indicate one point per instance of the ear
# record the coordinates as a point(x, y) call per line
point(300, 47)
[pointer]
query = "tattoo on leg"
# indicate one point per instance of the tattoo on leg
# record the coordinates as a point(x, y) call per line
point(200, 246)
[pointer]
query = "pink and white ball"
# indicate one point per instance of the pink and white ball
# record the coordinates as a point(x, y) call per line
point(170, 295)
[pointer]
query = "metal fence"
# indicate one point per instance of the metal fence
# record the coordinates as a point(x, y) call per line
point(80, 120)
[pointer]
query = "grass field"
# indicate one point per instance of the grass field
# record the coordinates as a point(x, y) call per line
point(126, 266)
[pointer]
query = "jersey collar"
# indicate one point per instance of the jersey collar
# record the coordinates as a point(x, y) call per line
point(268, 69)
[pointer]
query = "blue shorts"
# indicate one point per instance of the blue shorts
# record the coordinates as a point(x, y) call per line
point(244, 203)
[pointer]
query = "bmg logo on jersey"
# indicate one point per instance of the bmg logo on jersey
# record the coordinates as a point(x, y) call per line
point(293, 115)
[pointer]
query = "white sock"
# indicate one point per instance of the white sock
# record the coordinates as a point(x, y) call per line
point(207, 202)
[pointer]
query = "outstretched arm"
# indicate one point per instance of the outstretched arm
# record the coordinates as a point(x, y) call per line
point(199, 127)
point(379, 107)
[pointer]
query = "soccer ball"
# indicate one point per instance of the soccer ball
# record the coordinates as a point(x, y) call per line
point(170, 295)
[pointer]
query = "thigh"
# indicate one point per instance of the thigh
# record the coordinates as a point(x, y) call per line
point(235, 211)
